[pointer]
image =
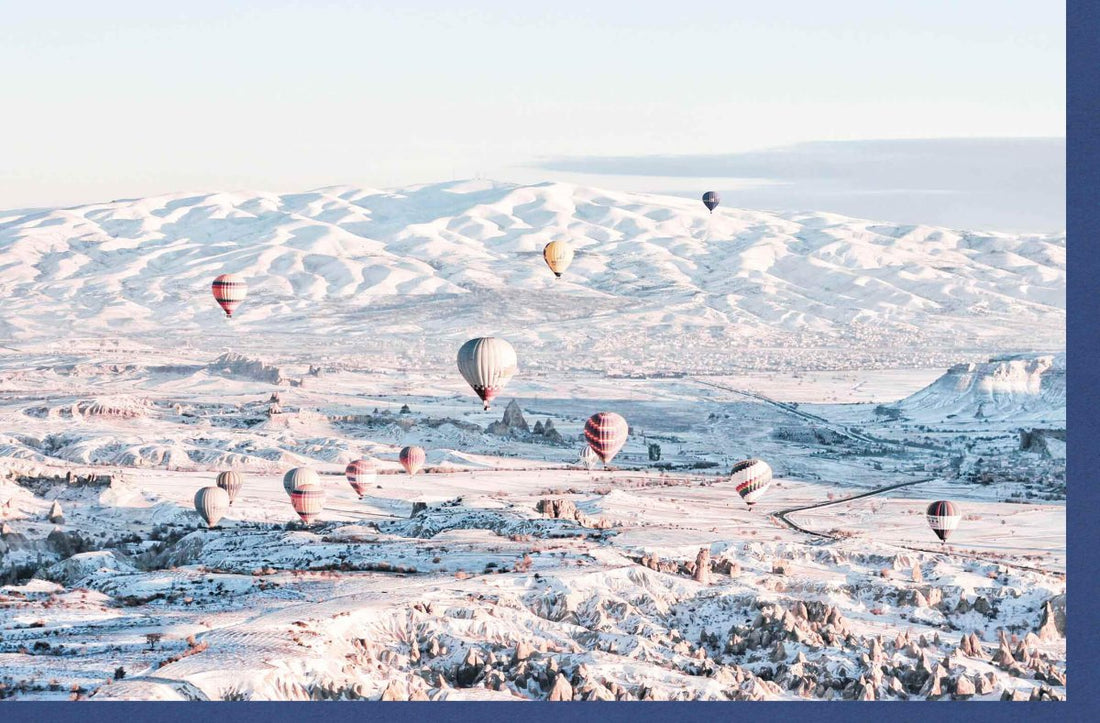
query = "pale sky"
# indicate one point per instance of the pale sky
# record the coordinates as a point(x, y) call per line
point(110, 99)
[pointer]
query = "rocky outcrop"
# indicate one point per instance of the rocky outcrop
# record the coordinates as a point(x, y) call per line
point(237, 366)
point(564, 509)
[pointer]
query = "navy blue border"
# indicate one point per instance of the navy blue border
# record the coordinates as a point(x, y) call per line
point(1083, 226)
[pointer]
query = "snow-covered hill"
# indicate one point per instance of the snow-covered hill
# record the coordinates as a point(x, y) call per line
point(428, 266)
point(1018, 387)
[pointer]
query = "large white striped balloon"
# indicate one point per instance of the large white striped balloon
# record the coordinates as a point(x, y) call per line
point(943, 518)
point(212, 503)
point(300, 477)
point(606, 433)
point(487, 364)
point(751, 479)
point(229, 291)
point(361, 475)
point(308, 502)
point(231, 482)
point(412, 459)
point(558, 255)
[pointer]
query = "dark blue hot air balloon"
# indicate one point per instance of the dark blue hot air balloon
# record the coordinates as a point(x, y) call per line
point(711, 200)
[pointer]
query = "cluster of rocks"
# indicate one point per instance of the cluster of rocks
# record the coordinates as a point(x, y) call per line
point(563, 509)
point(238, 366)
point(700, 569)
point(512, 424)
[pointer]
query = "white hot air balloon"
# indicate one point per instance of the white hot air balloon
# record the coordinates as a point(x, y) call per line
point(212, 503)
point(487, 364)
point(231, 482)
point(300, 477)
point(558, 255)
point(589, 458)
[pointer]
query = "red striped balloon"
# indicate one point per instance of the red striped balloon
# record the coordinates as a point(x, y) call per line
point(943, 518)
point(751, 479)
point(361, 475)
point(413, 458)
point(606, 433)
point(308, 502)
point(229, 291)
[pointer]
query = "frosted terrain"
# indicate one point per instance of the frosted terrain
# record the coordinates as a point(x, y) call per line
point(876, 367)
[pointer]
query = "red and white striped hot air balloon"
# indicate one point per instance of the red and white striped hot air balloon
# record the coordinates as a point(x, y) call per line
point(487, 364)
point(308, 502)
point(361, 475)
point(606, 433)
point(229, 291)
point(412, 459)
point(751, 478)
point(943, 518)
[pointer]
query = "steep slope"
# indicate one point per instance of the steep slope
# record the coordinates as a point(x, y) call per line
point(430, 265)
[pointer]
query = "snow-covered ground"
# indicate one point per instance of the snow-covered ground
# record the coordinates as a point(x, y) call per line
point(851, 355)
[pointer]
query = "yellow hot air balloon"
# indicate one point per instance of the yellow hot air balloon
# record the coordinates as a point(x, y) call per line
point(558, 255)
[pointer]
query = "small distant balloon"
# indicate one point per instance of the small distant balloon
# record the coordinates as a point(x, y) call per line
point(589, 458)
point(606, 433)
point(751, 479)
point(558, 256)
point(361, 475)
point(212, 503)
point(412, 459)
point(943, 518)
point(711, 200)
point(231, 482)
point(229, 291)
point(300, 477)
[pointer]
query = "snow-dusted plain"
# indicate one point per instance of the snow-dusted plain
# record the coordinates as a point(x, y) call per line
point(853, 356)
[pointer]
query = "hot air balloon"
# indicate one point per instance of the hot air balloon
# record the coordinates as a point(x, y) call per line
point(751, 478)
point(558, 255)
point(229, 291)
point(487, 363)
point(412, 459)
point(361, 474)
point(308, 502)
point(606, 433)
point(943, 518)
point(212, 503)
point(231, 482)
point(300, 477)
point(711, 200)
point(588, 457)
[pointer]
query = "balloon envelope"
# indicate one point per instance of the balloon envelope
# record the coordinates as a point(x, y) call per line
point(212, 503)
point(412, 459)
point(606, 433)
point(558, 256)
point(751, 479)
point(308, 502)
point(711, 200)
point(300, 477)
point(231, 482)
point(943, 518)
point(229, 291)
point(589, 458)
point(361, 474)
point(487, 364)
